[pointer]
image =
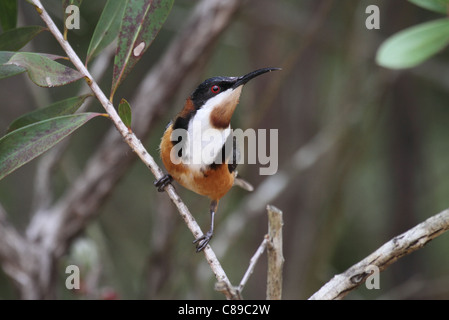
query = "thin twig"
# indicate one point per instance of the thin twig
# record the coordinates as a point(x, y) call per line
point(340, 285)
point(252, 263)
point(131, 139)
point(272, 240)
point(274, 253)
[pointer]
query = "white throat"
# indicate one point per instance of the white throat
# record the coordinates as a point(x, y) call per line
point(204, 142)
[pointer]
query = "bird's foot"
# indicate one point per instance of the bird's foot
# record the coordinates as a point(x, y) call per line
point(163, 182)
point(203, 241)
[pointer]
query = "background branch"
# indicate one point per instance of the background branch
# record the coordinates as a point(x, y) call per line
point(19, 259)
point(43, 191)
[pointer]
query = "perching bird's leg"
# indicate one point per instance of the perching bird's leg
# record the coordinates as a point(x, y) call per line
point(202, 241)
point(163, 182)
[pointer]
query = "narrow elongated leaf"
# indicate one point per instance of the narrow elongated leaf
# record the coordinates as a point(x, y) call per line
point(43, 71)
point(414, 45)
point(8, 70)
point(141, 23)
point(439, 6)
point(6, 55)
point(15, 39)
point(23, 145)
point(107, 27)
point(124, 111)
point(60, 108)
point(8, 14)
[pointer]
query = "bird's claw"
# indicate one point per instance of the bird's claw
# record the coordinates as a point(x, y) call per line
point(161, 183)
point(203, 241)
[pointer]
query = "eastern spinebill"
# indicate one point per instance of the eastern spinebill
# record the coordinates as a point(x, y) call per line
point(209, 107)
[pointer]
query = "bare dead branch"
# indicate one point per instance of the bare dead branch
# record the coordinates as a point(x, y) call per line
point(417, 237)
point(252, 264)
point(274, 252)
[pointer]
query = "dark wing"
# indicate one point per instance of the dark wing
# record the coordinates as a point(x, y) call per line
point(232, 165)
point(228, 154)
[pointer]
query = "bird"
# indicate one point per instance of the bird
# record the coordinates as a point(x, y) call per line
point(209, 108)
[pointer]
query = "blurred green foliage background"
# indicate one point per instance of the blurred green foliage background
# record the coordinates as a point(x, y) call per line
point(383, 169)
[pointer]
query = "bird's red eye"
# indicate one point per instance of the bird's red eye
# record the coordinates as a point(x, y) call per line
point(215, 89)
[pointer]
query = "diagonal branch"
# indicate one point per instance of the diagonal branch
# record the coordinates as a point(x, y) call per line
point(340, 285)
point(70, 215)
point(252, 263)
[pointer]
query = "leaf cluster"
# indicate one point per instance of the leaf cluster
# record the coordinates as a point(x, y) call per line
point(134, 23)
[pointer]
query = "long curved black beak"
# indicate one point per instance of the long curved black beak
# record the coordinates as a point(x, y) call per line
point(244, 79)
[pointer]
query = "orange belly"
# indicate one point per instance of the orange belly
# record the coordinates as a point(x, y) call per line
point(213, 183)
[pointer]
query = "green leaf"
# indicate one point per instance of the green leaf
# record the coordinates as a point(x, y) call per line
point(15, 39)
point(60, 108)
point(43, 71)
point(414, 45)
point(8, 14)
point(7, 70)
point(141, 23)
point(23, 145)
point(440, 6)
point(124, 111)
point(107, 27)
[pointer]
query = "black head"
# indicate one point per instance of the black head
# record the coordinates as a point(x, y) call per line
point(210, 88)
point(214, 86)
